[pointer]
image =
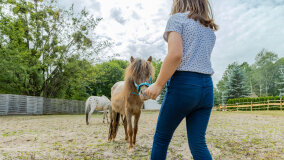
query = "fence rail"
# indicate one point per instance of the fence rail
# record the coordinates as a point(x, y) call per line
point(19, 104)
point(269, 104)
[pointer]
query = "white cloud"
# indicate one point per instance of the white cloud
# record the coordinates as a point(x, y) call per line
point(245, 28)
point(136, 28)
point(116, 14)
point(135, 15)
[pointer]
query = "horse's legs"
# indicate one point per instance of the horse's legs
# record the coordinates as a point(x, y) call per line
point(113, 125)
point(107, 112)
point(90, 113)
point(129, 129)
point(125, 126)
point(136, 119)
point(110, 130)
point(104, 115)
point(116, 117)
point(112, 117)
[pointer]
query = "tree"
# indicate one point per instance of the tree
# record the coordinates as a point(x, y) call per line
point(265, 71)
point(265, 57)
point(281, 89)
point(248, 74)
point(217, 97)
point(279, 77)
point(157, 65)
point(78, 75)
point(236, 87)
point(162, 95)
point(38, 41)
point(221, 85)
point(107, 74)
point(259, 75)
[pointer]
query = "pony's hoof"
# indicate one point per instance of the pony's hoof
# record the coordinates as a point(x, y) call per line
point(130, 150)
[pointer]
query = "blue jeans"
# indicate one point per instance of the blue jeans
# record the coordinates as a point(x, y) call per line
point(189, 95)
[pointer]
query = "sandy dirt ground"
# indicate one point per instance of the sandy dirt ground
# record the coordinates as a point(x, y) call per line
point(230, 135)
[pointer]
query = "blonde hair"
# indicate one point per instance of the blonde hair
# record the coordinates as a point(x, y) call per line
point(199, 10)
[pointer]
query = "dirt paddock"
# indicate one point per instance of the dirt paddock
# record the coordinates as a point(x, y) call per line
point(230, 135)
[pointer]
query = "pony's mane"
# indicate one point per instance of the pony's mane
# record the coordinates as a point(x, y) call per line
point(135, 70)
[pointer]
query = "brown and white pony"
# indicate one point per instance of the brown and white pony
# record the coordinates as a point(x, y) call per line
point(127, 99)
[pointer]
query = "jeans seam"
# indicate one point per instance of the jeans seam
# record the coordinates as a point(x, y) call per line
point(165, 100)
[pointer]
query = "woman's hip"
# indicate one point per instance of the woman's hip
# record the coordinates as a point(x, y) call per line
point(184, 79)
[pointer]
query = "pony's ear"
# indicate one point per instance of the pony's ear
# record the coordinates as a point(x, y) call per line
point(131, 59)
point(150, 59)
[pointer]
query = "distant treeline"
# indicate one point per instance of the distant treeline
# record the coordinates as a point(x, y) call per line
point(260, 79)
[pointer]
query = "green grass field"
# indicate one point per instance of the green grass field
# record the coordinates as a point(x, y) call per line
point(230, 135)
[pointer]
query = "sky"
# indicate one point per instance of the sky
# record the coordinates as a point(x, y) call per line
point(135, 27)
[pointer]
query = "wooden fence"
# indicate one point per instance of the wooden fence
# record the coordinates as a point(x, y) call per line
point(18, 104)
point(264, 105)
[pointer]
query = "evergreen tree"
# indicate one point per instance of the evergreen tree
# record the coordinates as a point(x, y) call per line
point(217, 97)
point(162, 95)
point(157, 63)
point(281, 76)
point(236, 85)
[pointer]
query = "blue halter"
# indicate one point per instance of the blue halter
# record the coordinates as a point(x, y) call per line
point(140, 85)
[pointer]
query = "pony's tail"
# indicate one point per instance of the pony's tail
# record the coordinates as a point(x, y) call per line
point(113, 126)
point(87, 110)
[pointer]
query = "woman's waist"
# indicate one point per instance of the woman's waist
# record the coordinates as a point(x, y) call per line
point(191, 74)
point(191, 78)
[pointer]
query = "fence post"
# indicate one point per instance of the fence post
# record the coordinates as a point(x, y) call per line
point(267, 105)
point(281, 104)
point(251, 106)
point(237, 107)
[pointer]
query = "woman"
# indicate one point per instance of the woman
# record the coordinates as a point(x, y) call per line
point(187, 71)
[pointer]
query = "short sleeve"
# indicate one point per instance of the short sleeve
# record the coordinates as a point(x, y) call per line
point(174, 24)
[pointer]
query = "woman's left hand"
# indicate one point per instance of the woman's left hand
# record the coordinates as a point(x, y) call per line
point(154, 91)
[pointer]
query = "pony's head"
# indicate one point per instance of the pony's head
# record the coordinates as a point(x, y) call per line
point(138, 76)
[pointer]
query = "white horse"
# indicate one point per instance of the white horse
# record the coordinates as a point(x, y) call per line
point(97, 103)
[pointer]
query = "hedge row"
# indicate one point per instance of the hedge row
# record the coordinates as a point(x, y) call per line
point(241, 101)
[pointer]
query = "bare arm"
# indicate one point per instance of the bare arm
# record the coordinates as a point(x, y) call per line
point(172, 60)
point(169, 66)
